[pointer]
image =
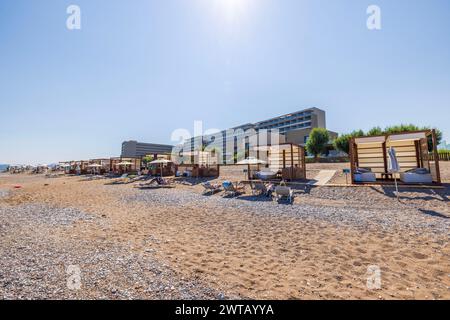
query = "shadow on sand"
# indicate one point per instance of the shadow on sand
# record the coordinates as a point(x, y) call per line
point(426, 194)
point(440, 195)
point(193, 181)
point(434, 214)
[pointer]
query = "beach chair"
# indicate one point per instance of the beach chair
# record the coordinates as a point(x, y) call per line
point(283, 192)
point(210, 188)
point(157, 182)
point(121, 180)
point(232, 189)
point(138, 178)
point(258, 188)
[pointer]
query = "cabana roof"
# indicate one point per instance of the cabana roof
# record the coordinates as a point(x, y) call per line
point(406, 136)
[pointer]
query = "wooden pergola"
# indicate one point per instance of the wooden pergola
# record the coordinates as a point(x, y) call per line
point(412, 151)
point(287, 159)
point(104, 163)
point(133, 167)
point(203, 164)
point(81, 164)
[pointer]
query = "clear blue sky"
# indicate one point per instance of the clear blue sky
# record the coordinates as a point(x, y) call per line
point(140, 69)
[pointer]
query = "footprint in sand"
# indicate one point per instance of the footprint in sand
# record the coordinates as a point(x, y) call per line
point(419, 255)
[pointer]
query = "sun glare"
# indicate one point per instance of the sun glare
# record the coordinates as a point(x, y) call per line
point(231, 9)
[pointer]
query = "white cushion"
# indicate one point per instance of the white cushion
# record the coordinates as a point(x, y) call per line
point(410, 177)
point(365, 177)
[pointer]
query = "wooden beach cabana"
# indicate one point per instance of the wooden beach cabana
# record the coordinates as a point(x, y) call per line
point(133, 165)
point(286, 160)
point(203, 164)
point(104, 165)
point(66, 166)
point(369, 158)
point(78, 167)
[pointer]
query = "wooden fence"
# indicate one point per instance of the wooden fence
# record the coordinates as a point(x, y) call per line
point(443, 156)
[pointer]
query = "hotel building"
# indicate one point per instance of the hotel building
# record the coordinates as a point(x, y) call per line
point(289, 128)
point(134, 149)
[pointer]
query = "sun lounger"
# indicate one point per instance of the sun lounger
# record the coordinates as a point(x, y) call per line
point(157, 182)
point(266, 174)
point(283, 192)
point(121, 180)
point(138, 178)
point(419, 175)
point(232, 189)
point(364, 175)
point(258, 188)
point(156, 186)
point(126, 179)
point(210, 188)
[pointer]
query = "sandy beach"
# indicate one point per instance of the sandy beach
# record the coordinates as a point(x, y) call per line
point(179, 244)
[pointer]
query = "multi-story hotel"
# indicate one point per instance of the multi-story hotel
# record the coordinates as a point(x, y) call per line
point(290, 128)
point(134, 149)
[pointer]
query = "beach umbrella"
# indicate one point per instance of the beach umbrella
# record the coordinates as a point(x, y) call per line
point(94, 165)
point(161, 162)
point(393, 166)
point(124, 163)
point(251, 161)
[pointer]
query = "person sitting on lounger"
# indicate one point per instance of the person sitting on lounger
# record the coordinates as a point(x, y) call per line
point(270, 189)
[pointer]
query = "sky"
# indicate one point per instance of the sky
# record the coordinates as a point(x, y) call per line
point(138, 70)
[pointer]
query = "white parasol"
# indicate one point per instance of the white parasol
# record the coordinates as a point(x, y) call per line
point(161, 162)
point(251, 161)
point(394, 167)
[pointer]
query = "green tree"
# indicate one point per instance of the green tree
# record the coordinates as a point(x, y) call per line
point(317, 142)
point(342, 143)
point(411, 127)
point(147, 159)
point(401, 128)
point(438, 135)
point(357, 133)
point(376, 131)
